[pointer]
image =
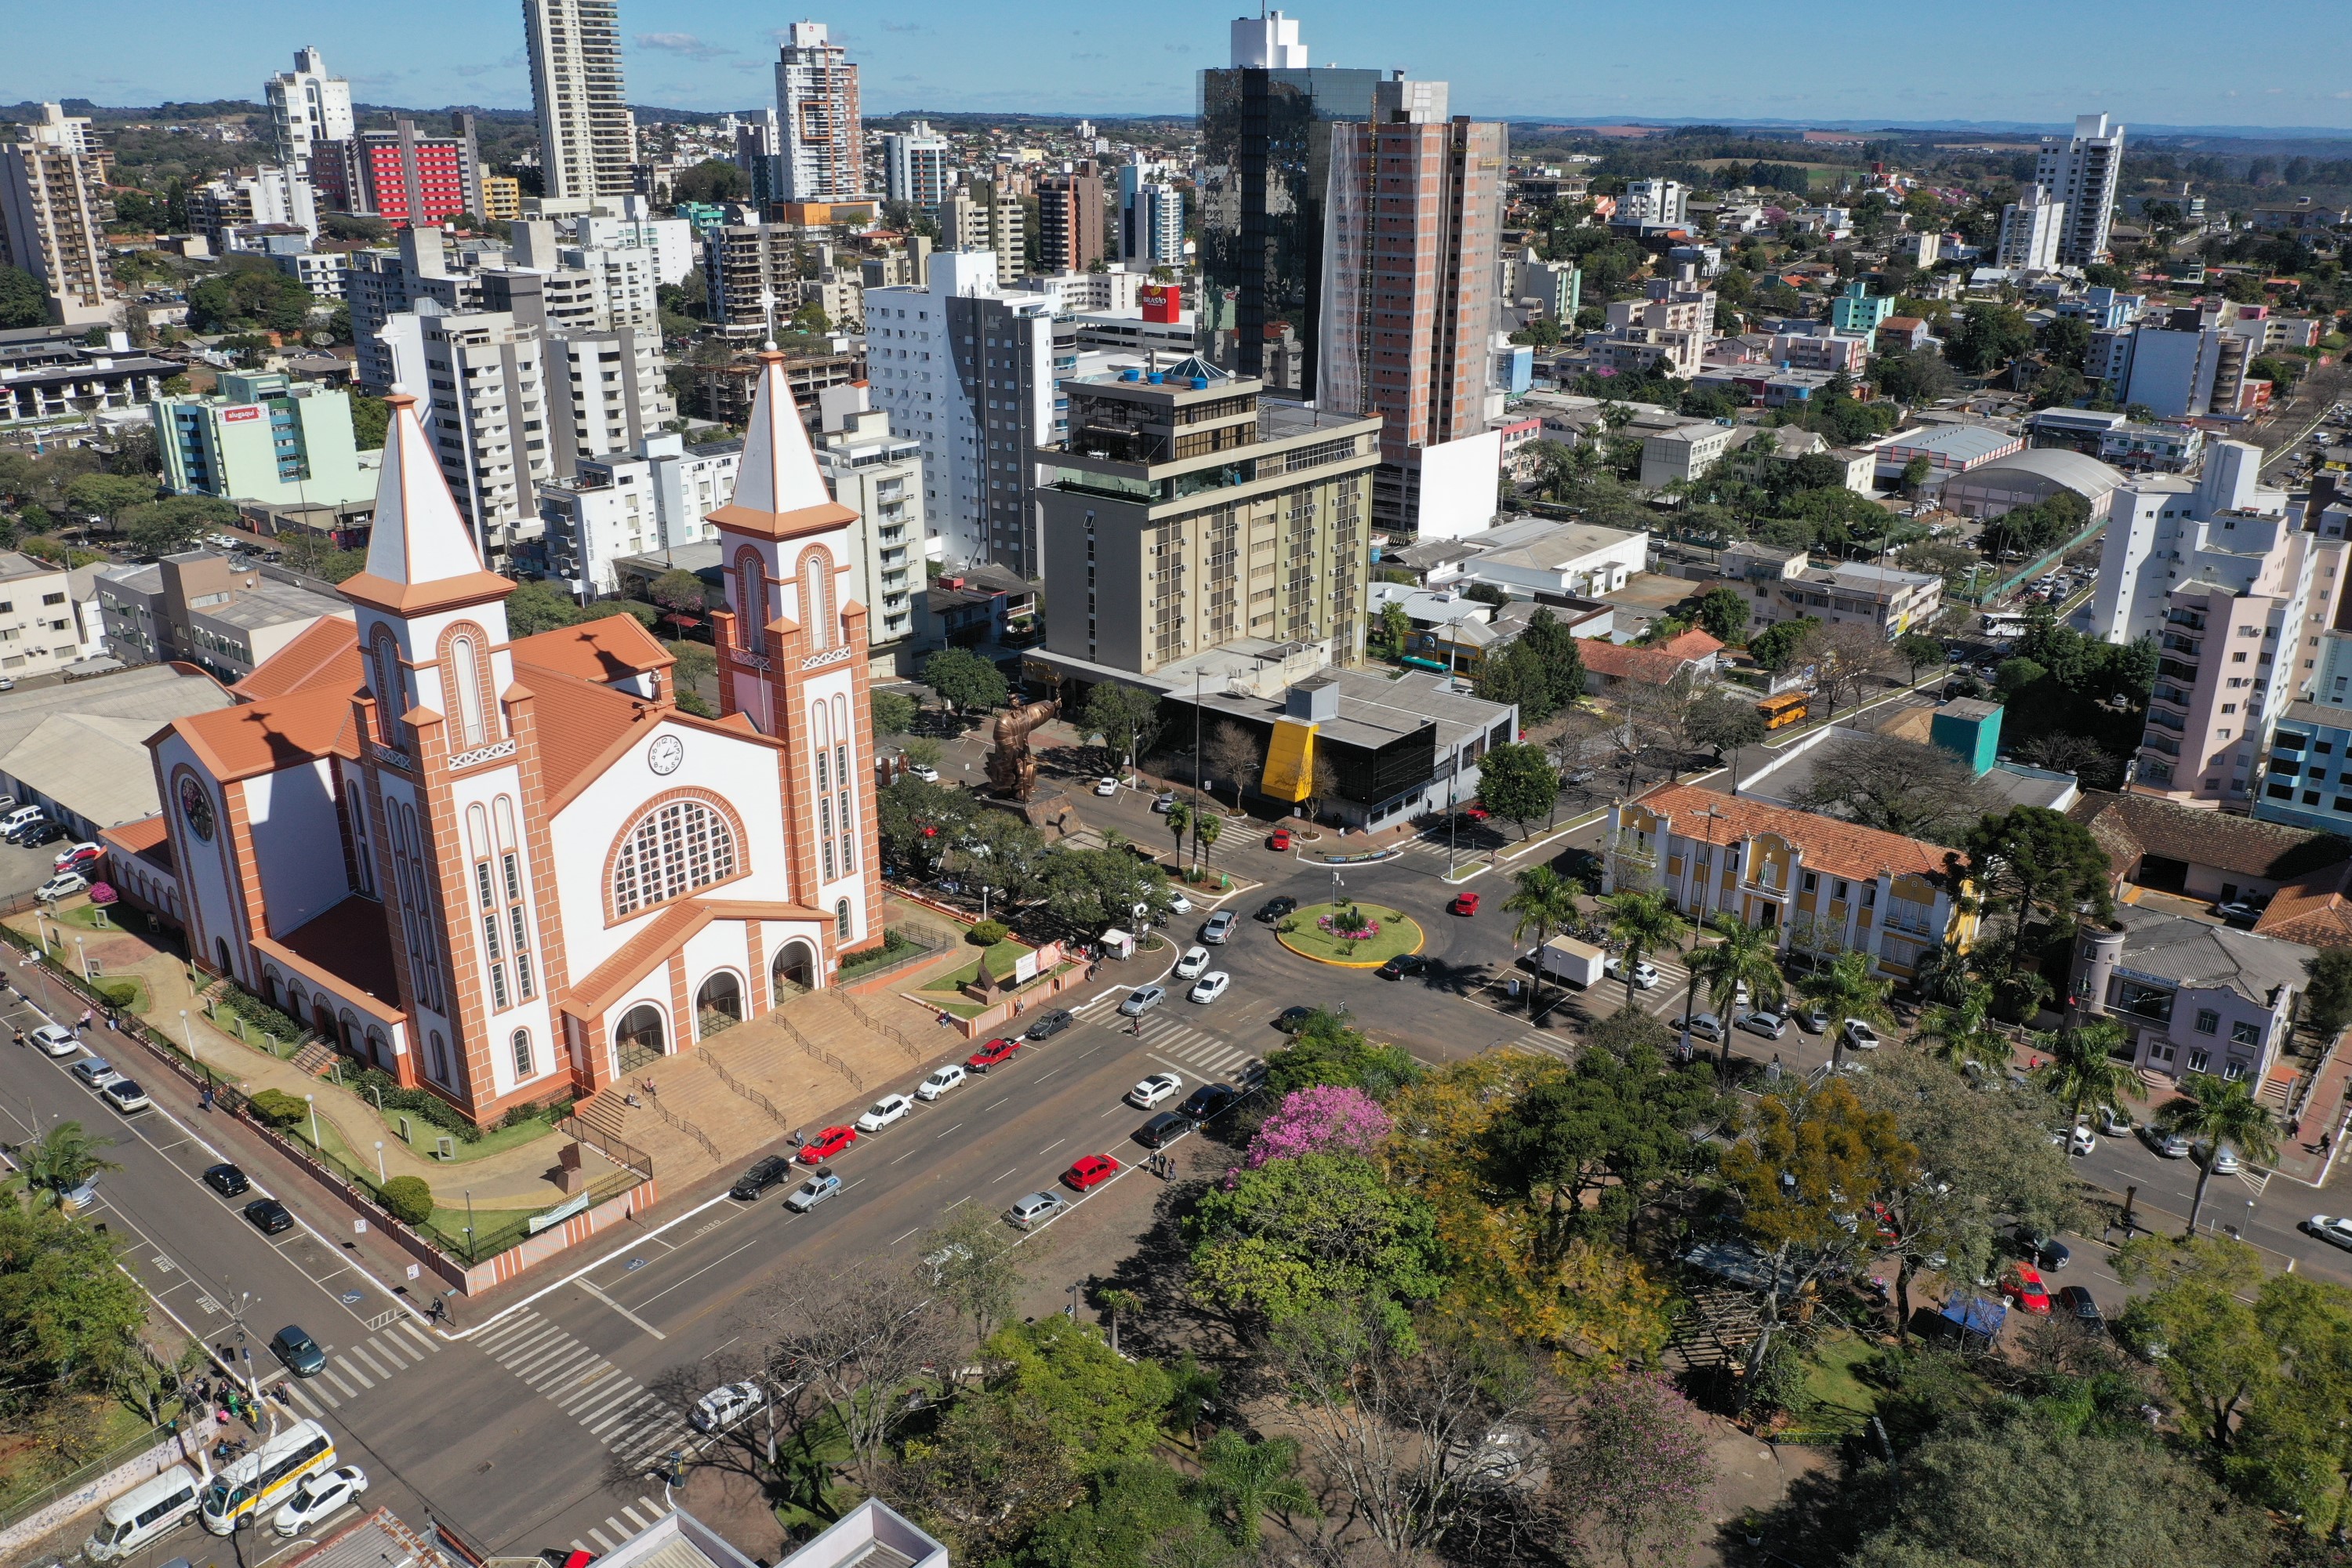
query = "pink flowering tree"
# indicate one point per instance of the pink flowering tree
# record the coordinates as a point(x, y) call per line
point(1323, 1119)
point(1633, 1468)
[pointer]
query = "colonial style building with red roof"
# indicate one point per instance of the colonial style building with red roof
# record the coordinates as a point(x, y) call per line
point(1825, 884)
point(509, 870)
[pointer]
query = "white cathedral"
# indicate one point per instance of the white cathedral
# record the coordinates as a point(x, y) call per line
point(509, 870)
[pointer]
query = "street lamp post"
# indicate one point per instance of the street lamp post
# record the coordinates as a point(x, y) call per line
point(312, 1102)
point(379, 1162)
point(81, 960)
point(188, 1032)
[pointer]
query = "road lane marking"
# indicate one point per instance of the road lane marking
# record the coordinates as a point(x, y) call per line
point(649, 1301)
point(1051, 1147)
point(903, 1234)
point(950, 1130)
point(622, 1310)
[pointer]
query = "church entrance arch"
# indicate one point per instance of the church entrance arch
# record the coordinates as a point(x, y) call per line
point(719, 1003)
point(641, 1037)
point(796, 968)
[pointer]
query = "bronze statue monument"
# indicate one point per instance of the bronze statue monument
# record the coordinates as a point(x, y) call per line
point(1012, 766)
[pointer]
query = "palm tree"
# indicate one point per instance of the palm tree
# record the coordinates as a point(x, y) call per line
point(1179, 819)
point(65, 1158)
point(1745, 955)
point(1119, 1304)
point(1942, 975)
point(1962, 1031)
point(1848, 991)
point(1545, 902)
point(2217, 1112)
point(1645, 921)
point(1247, 1478)
point(1206, 828)
point(2083, 1069)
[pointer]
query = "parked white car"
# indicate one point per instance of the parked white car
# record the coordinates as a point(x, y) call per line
point(56, 1039)
point(1159, 1087)
point(940, 1082)
point(883, 1111)
point(64, 885)
point(320, 1495)
point(725, 1405)
point(1645, 974)
point(1106, 787)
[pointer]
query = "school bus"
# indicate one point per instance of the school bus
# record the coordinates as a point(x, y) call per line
point(268, 1475)
point(1789, 707)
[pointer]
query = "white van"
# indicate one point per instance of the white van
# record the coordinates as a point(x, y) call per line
point(144, 1513)
point(23, 817)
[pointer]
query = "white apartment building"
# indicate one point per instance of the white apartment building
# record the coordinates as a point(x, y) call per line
point(822, 158)
point(40, 631)
point(967, 372)
point(307, 106)
point(482, 381)
point(996, 225)
point(654, 498)
point(270, 195)
point(670, 240)
point(587, 137)
point(53, 214)
point(2157, 524)
point(1670, 327)
point(1653, 200)
point(916, 166)
point(2031, 230)
point(1150, 217)
point(879, 477)
point(627, 284)
point(2082, 172)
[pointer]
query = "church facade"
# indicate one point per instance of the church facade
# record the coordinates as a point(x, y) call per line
point(509, 870)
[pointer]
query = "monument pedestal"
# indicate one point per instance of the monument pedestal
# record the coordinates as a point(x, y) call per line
point(1047, 807)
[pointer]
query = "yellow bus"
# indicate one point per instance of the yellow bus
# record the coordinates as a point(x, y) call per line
point(268, 1475)
point(1789, 707)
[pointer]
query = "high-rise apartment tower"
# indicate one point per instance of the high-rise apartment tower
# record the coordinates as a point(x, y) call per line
point(586, 137)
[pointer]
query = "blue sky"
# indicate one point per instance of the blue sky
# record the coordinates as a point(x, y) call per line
point(2148, 61)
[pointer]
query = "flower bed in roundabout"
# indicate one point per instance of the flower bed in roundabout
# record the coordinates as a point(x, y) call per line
point(1354, 935)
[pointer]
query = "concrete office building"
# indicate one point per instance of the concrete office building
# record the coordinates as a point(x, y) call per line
point(1150, 217)
point(306, 107)
point(916, 166)
point(822, 153)
point(879, 477)
point(1267, 123)
point(1187, 511)
point(1070, 220)
point(2031, 230)
point(986, 220)
point(53, 215)
point(968, 373)
point(197, 608)
point(1412, 242)
point(587, 138)
point(263, 437)
point(2082, 172)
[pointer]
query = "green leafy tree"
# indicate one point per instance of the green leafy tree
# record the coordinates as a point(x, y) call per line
point(108, 496)
point(1248, 1480)
point(1126, 717)
point(1518, 783)
point(370, 421)
point(894, 713)
point(1545, 902)
point(1645, 921)
point(22, 303)
point(2327, 1001)
point(176, 522)
point(1724, 613)
point(1098, 888)
point(70, 1316)
point(65, 1157)
point(1396, 628)
point(1135, 1514)
point(1959, 1033)
point(1775, 647)
point(965, 681)
point(921, 822)
point(2083, 1069)
point(1294, 1234)
point(1726, 722)
point(1847, 991)
point(2219, 1113)
point(410, 1199)
point(2201, 1313)
point(1329, 1050)
point(538, 606)
point(1918, 650)
point(2038, 865)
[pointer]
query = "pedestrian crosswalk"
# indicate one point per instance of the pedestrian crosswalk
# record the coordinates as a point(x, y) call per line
point(631, 1520)
point(1544, 1043)
point(1165, 1037)
point(350, 1372)
point(615, 1409)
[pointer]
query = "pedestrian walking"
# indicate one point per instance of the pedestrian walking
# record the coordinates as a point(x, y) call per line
point(20, 1037)
point(83, 1022)
point(2326, 1139)
point(205, 1100)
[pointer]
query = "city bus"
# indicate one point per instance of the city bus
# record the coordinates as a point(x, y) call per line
point(268, 1475)
point(1789, 707)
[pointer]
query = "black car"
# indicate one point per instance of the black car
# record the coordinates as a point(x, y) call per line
point(2078, 1301)
point(41, 832)
point(1274, 909)
point(227, 1180)
point(1403, 964)
point(299, 1350)
point(1292, 1019)
point(1162, 1130)
point(1207, 1100)
point(766, 1174)
point(1048, 1025)
point(269, 1216)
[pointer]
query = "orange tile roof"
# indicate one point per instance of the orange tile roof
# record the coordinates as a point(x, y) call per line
point(348, 947)
point(262, 737)
point(662, 935)
point(610, 649)
point(1829, 844)
point(581, 724)
point(327, 650)
point(149, 839)
point(1694, 643)
point(1621, 661)
point(2313, 911)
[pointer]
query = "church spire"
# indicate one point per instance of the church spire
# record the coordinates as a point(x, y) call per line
point(779, 492)
point(421, 552)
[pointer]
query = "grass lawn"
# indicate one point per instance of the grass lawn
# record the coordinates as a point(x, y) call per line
point(87, 917)
point(1830, 1373)
point(1398, 933)
point(26, 1467)
point(1000, 959)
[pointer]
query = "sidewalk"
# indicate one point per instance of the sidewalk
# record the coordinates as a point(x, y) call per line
point(2300, 1155)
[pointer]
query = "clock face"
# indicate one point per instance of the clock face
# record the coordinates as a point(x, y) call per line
point(665, 754)
point(196, 808)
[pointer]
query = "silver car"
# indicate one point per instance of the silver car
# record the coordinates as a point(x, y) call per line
point(1141, 1000)
point(1035, 1209)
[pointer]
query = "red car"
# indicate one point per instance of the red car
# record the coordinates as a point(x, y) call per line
point(2022, 1283)
point(1093, 1170)
point(827, 1144)
point(1463, 904)
point(1477, 812)
point(988, 1056)
point(1278, 840)
point(81, 858)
